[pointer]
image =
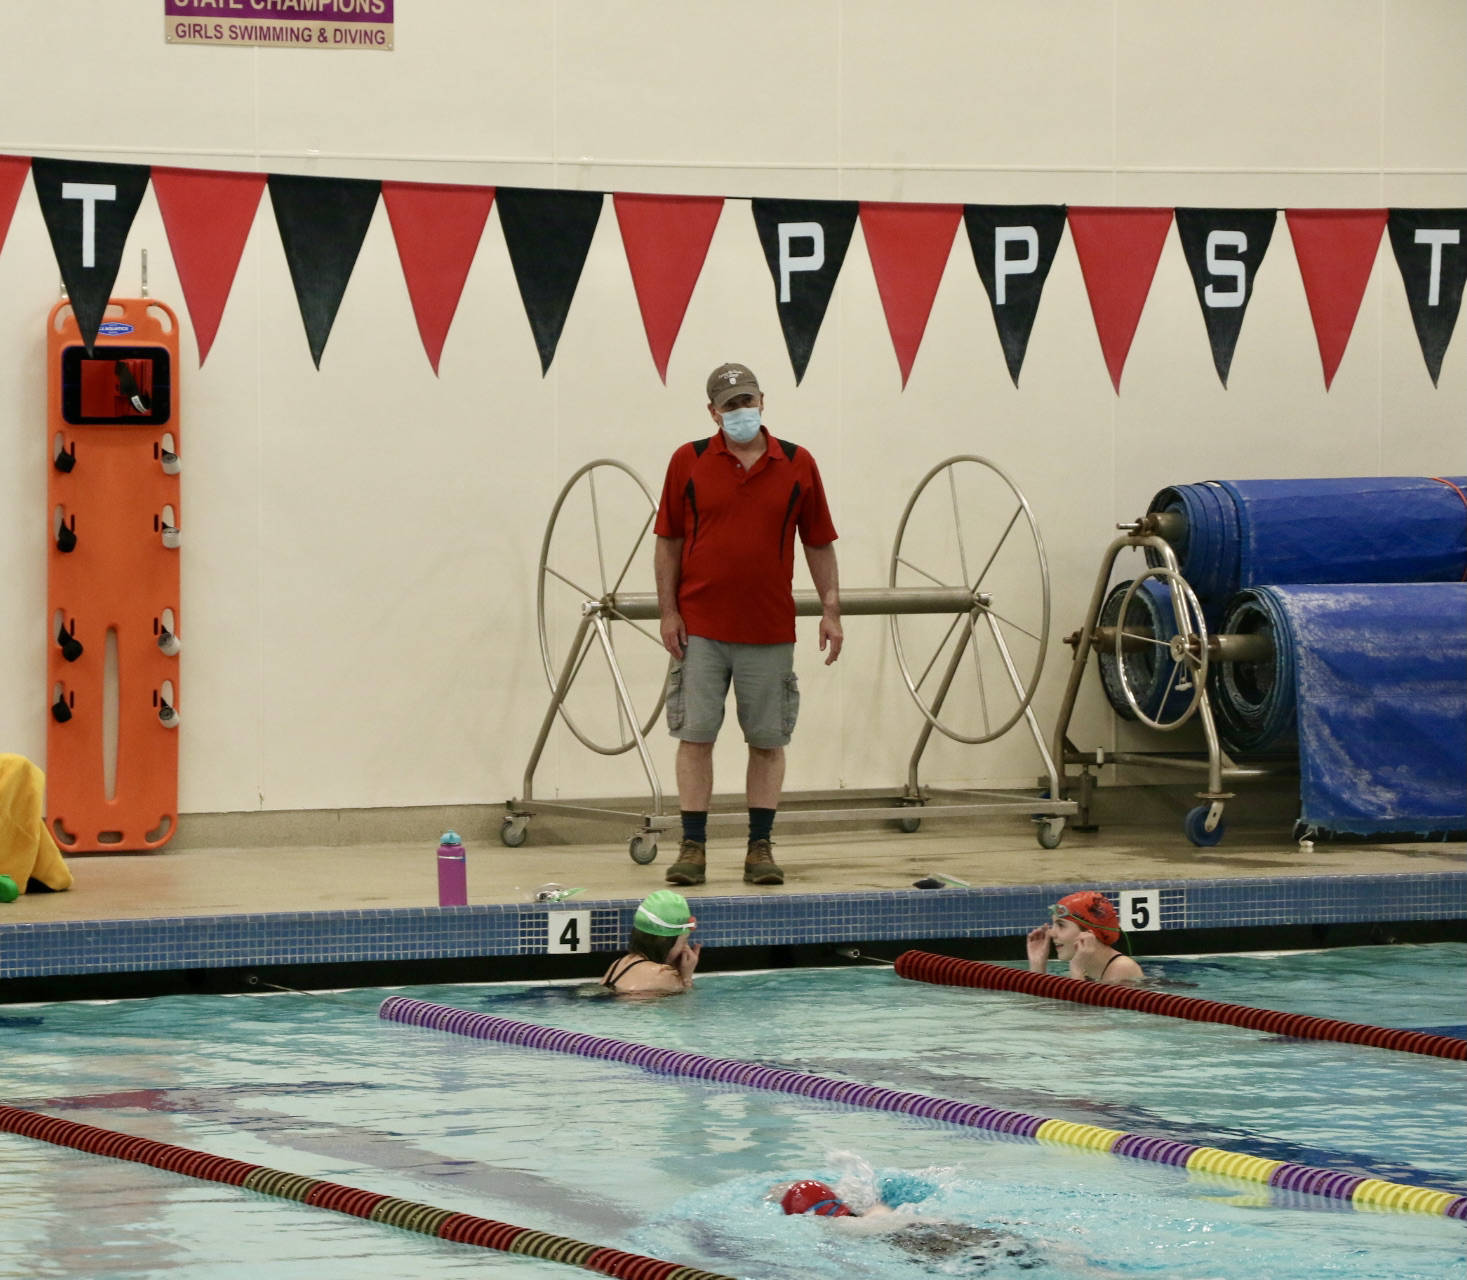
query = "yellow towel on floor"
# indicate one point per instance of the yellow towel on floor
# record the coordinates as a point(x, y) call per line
point(27, 850)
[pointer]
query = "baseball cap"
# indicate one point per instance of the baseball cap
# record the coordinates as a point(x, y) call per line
point(729, 380)
point(1090, 910)
point(665, 914)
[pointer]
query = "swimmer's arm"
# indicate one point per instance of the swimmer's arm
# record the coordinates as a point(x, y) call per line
point(1038, 946)
point(683, 959)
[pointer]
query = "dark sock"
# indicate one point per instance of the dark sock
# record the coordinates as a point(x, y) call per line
point(695, 825)
point(761, 824)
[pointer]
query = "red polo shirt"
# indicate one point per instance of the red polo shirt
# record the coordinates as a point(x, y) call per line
point(738, 531)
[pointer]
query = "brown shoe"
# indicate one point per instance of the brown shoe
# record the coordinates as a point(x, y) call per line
point(691, 864)
point(759, 866)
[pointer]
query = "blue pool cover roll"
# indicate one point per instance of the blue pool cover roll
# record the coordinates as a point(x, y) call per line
point(1249, 533)
point(1372, 679)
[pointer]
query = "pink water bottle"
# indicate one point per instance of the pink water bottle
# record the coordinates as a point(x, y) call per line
point(453, 878)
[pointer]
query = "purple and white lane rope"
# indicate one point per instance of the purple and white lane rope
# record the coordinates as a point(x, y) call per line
point(697, 1066)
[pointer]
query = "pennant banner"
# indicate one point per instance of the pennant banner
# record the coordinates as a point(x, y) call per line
point(1118, 251)
point(1336, 249)
point(88, 209)
point(805, 243)
point(666, 239)
point(322, 222)
point(13, 170)
point(437, 229)
point(1224, 249)
point(1014, 247)
point(909, 245)
point(207, 217)
point(1431, 251)
point(548, 234)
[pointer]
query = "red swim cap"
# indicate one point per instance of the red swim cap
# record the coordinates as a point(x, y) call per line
point(1093, 911)
point(810, 1196)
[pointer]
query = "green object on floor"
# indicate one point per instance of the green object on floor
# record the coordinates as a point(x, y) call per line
point(9, 890)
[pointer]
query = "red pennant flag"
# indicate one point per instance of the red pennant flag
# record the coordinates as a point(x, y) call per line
point(207, 216)
point(1118, 251)
point(12, 178)
point(437, 228)
point(908, 245)
point(666, 240)
point(1336, 250)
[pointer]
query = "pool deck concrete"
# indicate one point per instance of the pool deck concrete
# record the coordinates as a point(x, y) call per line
point(1141, 842)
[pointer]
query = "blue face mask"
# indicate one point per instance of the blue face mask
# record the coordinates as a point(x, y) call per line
point(740, 425)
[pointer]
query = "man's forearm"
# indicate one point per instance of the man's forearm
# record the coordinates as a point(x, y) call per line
point(667, 563)
point(826, 577)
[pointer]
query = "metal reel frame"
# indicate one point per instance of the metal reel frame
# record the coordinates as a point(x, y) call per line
point(606, 596)
point(1188, 648)
point(1024, 688)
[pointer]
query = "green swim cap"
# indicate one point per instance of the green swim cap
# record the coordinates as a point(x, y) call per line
point(665, 914)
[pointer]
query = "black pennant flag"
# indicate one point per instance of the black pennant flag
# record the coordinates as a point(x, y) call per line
point(548, 234)
point(322, 223)
point(1014, 247)
point(805, 243)
point(88, 208)
point(1431, 250)
point(1224, 248)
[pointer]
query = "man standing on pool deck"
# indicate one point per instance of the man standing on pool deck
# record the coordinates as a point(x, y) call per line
point(725, 559)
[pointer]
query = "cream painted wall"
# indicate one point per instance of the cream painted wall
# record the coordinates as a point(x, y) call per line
point(358, 604)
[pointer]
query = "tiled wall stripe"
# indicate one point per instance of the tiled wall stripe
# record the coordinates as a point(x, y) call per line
point(412, 933)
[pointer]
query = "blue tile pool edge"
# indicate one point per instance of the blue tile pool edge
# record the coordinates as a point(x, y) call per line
point(44, 949)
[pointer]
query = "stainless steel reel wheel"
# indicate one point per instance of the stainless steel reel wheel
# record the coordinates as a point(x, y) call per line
point(595, 547)
point(1186, 650)
point(967, 524)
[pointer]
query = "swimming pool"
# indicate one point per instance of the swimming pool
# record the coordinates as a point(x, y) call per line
point(677, 1169)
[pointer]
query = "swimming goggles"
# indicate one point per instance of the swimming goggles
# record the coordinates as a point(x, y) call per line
point(692, 922)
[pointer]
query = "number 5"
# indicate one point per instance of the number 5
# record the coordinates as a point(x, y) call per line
point(1140, 910)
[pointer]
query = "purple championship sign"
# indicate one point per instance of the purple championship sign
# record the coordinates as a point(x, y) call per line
point(285, 24)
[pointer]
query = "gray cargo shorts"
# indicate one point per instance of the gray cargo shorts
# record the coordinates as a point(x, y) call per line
point(766, 691)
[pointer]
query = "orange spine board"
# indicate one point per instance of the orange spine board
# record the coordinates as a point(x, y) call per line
point(111, 409)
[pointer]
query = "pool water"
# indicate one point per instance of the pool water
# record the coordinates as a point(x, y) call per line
point(679, 1169)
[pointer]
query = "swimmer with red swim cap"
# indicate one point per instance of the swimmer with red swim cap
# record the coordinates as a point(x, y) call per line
point(1084, 929)
point(924, 1237)
point(814, 1197)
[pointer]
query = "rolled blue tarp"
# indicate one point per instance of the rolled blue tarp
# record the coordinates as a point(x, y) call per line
point(1370, 682)
point(1251, 533)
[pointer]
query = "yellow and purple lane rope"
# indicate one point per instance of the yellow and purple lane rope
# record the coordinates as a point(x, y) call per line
point(1274, 1173)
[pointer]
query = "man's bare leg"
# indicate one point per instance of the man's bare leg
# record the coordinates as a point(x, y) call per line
point(695, 775)
point(694, 791)
point(765, 778)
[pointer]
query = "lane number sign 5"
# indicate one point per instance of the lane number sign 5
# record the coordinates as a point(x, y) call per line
point(1140, 910)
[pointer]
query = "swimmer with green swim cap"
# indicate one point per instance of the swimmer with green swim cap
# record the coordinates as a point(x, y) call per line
point(660, 959)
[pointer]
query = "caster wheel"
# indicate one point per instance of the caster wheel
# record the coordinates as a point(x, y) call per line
point(1051, 831)
point(1195, 826)
point(910, 825)
point(513, 832)
point(643, 849)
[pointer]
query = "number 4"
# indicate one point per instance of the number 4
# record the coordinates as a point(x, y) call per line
point(568, 932)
